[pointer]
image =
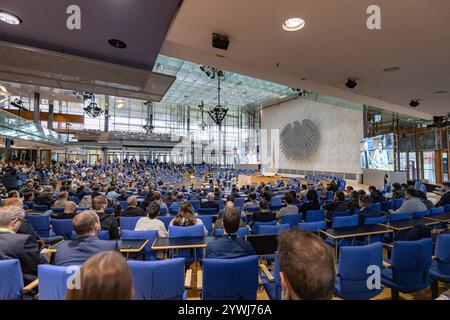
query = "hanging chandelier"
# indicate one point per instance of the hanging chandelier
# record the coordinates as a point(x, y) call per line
point(93, 110)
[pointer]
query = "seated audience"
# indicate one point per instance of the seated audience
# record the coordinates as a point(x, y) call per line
point(86, 202)
point(186, 218)
point(423, 197)
point(210, 202)
point(194, 195)
point(175, 206)
point(412, 203)
point(104, 276)
point(397, 191)
point(45, 197)
point(365, 212)
point(375, 195)
point(312, 204)
point(13, 245)
point(307, 268)
point(353, 202)
point(150, 222)
point(229, 245)
point(290, 208)
point(132, 210)
point(86, 225)
point(264, 214)
point(337, 205)
point(107, 221)
point(123, 195)
point(229, 205)
point(170, 198)
point(69, 211)
point(62, 198)
point(252, 203)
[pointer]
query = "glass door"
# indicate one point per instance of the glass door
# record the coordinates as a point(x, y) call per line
point(429, 166)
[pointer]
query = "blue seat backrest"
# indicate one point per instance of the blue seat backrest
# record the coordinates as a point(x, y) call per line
point(272, 229)
point(62, 227)
point(341, 213)
point(387, 205)
point(421, 214)
point(239, 202)
point(398, 216)
point(195, 204)
point(276, 201)
point(53, 281)
point(207, 222)
point(190, 231)
point(342, 222)
point(39, 207)
point(230, 279)
point(158, 280)
point(11, 282)
point(40, 223)
point(377, 220)
point(447, 208)
point(313, 226)
point(257, 224)
point(128, 223)
point(314, 215)
point(123, 205)
point(442, 252)
point(437, 210)
point(141, 235)
point(375, 207)
point(353, 263)
point(398, 203)
point(292, 219)
point(411, 261)
point(166, 220)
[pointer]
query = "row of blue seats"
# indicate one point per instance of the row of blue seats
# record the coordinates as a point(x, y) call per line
point(410, 269)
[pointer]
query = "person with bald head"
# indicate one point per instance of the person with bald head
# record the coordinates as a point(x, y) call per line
point(87, 226)
point(229, 205)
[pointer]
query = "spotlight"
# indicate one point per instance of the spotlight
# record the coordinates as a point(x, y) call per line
point(9, 18)
point(414, 103)
point(351, 83)
point(18, 104)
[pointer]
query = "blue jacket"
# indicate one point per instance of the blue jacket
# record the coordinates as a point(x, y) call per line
point(229, 247)
point(76, 252)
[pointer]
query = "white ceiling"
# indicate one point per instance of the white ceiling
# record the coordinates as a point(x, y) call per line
point(334, 45)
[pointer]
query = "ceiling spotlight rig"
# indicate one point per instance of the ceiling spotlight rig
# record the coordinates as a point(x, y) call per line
point(203, 125)
point(93, 110)
point(149, 127)
point(212, 72)
point(85, 95)
point(301, 92)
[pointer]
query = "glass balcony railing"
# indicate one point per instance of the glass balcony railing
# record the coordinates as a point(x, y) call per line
point(12, 126)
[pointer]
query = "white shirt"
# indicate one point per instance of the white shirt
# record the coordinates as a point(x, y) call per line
point(147, 224)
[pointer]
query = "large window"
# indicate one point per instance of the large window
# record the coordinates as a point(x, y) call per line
point(429, 171)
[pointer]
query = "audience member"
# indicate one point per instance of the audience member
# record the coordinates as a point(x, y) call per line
point(132, 210)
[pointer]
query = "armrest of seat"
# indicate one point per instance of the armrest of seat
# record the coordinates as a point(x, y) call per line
point(188, 279)
point(266, 272)
point(386, 264)
point(388, 246)
point(30, 286)
point(199, 280)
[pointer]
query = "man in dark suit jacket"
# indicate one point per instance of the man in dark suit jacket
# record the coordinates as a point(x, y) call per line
point(229, 246)
point(133, 210)
point(19, 246)
point(364, 204)
point(210, 202)
point(87, 225)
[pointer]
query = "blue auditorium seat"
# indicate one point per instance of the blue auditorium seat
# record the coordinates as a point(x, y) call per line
point(40, 223)
point(151, 236)
point(230, 279)
point(62, 227)
point(410, 265)
point(53, 281)
point(272, 229)
point(314, 215)
point(440, 267)
point(351, 279)
point(273, 288)
point(292, 219)
point(242, 232)
point(128, 223)
point(158, 280)
point(11, 283)
point(313, 226)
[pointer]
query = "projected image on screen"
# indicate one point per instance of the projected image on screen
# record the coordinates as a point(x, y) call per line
point(248, 156)
point(377, 153)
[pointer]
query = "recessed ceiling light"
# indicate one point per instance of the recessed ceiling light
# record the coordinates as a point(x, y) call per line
point(3, 89)
point(9, 18)
point(293, 24)
point(117, 43)
point(391, 69)
point(441, 92)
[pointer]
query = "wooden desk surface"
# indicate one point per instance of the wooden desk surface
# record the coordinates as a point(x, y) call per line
point(350, 232)
point(408, 224)
point(181, 243)
point(125, 246)
point(442, 217)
